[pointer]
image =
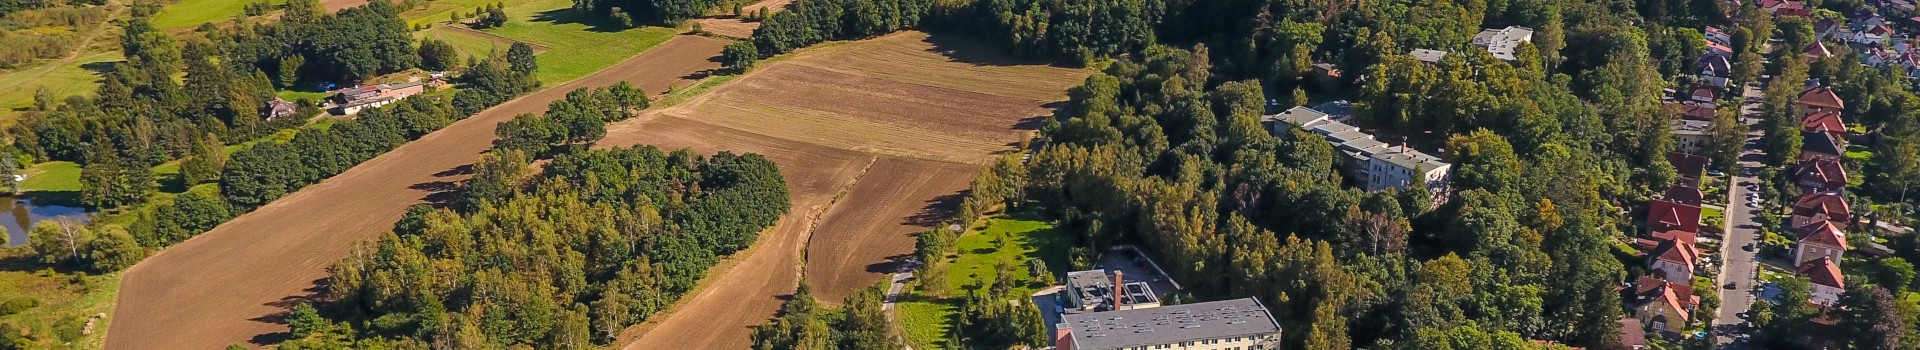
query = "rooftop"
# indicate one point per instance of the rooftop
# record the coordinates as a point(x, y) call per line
point(1169, 324)
point(1502, 42)
point(1429, 56)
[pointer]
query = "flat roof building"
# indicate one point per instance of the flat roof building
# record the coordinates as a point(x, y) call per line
point(1502, 42)
point(1093, 290)
point(1227, 324)
point(1374, 165)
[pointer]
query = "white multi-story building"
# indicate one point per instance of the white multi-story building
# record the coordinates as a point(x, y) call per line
point(1239, 324)
point(1373, 165)
point(1502, 42)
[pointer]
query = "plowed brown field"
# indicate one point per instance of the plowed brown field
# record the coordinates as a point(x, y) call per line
point(234, 284)
point(876, 139)
point(738, 27)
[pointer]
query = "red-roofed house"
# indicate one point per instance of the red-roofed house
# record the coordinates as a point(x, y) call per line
point(1827, 122)
point(1669, 215)
point(1820, 174)
point(1689, 167)
point(1661, 305)
point(1684, 195)
point(1816, 50)
point(1819, 99)
point(1673, 261)
point(1820, 241)
point(1817, 207)
point(1828, 283)
point(1704, 93)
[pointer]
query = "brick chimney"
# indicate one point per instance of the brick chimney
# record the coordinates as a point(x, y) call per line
point(1063, 336)
point(1117, 284)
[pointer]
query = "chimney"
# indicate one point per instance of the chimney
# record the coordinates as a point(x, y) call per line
point(1117, 296)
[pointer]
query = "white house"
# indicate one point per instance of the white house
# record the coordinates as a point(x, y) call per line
point(1502, 42)
point(1374, 165)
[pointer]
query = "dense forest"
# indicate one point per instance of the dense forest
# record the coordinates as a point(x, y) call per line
point(142, 117)
point(565, 256)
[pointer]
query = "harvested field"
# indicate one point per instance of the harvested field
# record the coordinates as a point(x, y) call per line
point(737, 27)
point(859, 241)
point(927, 111)
point(234, 284)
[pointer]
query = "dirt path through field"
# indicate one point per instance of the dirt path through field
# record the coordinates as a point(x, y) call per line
point(234, 284)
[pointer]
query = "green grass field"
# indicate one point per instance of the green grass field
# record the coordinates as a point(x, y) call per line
point(52, 177)
point(469, 44)
point(441, 11)
point(577, 45)
point(64, 306)
point(17, 87)
point(927, 318)
point(188, 13)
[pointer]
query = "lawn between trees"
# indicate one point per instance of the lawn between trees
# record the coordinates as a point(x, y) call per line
point(973, 267)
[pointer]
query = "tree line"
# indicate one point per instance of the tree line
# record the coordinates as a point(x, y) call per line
point(858, 324)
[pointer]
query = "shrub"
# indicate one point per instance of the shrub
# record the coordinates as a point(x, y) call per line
point(17, 304)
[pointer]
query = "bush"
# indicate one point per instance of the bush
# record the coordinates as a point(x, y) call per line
point(17, 304)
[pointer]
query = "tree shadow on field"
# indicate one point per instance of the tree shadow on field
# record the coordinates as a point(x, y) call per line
point(937, 210)
point(440, 194)
point(314, 294)
point(891, 265)
point(465, 169)
point(570, 16)
point(973, 50)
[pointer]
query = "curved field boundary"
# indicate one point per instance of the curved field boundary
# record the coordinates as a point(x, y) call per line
point(929, 125)
point(234, 284)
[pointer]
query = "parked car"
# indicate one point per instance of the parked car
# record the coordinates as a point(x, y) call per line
point(1731, 286)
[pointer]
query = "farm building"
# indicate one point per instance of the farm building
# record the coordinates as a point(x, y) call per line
point(350, 101)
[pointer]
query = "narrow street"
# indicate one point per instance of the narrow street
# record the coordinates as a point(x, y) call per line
point(1738, 264)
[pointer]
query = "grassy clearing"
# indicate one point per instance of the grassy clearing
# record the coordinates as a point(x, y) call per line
point(579, 44)
point(65, 302)
point(75, 78)
point(469, 44)
point(926, 318)
point(52, 177)
point(188, 13)
point(439, 12)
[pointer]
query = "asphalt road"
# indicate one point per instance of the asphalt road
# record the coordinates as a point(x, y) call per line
point(1738, 265)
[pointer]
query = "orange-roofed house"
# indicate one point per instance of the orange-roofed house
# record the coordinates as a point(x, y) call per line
point(1669, 215)
point(1688, 167)
point(1819, 99)
point(1684, 195)
point(1673, 261)
point(1662, 306)
point(1828, 283)
point(1827, 122)
point(1820, 241)
point(1817, 207)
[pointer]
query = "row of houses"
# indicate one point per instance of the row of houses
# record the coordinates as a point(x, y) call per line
point(1663, 301)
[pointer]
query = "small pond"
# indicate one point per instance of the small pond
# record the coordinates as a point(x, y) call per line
point(21, 213)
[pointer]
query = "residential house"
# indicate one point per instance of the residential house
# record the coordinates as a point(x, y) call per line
point(278, 108)
point(1716, 35)
point(1826, 29)
point(1502, 42)
point(1691, 136)
point(1633, 336)
point(1704, 93)
point(1825, 122)
point(1792, 9)
point(1818, 144)
point(1662, 306)
point(1666, 214)
point(1718, 49)
point(1817, 50)
point(1820, 240)
point(1818, 99)
point(1714, 69)
point(1688, 167)
point(1242, 324)
point(1820, 174)
point(1372, 164)
point(1818, 207)
point(1828, 283)
point(1673, 261)
point(1684, 195)
point(1428, 56)
point(1692, 110)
